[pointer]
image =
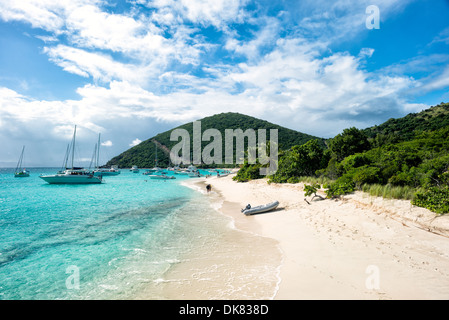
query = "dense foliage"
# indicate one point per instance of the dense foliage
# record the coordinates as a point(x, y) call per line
point(248, 172)
point(300, 160)
point(403, 129)
point(410, 153)
point(349, 142)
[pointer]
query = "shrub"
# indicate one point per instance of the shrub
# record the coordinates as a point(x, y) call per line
point(366, 174)
point(311, 189)
point(343, 185)
point(299, 161)
point(435, 199)
point(355, 161)
point(248, 172)
point(349, 142)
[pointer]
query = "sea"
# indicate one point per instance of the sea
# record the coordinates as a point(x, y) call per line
point(130, 237)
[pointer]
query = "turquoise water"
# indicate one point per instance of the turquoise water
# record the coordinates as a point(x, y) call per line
point(108, 241)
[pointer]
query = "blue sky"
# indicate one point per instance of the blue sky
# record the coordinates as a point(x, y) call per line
point(131, 69)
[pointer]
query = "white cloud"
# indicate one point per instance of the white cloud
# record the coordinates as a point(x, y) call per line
point(217, 13)
point(156, 65)
point(135, 142)
point(98, 66)
point(292, 85)
point(40, 14)
point(107, 143)
point(266, 36)
point(443, 37)
point(440, 81)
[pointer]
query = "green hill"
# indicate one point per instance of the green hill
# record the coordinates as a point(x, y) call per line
point(144, 154)
point(405, 158)
point(405, 128)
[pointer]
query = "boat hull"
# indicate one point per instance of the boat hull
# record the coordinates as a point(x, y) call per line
point(21, 175)
point(161, 177)
point(261, 209)
point(106, 173)
point(70, 179)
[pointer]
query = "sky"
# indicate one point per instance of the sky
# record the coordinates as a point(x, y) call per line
point(130, 69)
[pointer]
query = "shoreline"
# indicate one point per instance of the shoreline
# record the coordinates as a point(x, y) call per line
point(224, 261)
point(360, 247)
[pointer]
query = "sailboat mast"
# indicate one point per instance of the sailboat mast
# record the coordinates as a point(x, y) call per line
point(66, 158)
point(19, 164)
point(98, 152)
point(73, 146)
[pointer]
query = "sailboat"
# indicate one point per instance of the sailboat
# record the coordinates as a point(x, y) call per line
point(73, 175)
point(156, 169)
point(19, 172)
point(103, 171)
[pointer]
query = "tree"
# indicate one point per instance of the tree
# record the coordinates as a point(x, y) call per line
point(301, 160)
point(349, 142)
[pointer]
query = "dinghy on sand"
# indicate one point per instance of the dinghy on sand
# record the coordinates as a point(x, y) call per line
point(260, 209)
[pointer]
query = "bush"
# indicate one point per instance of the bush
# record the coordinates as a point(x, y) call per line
point(334, 169)
point(299, 161)
point(311, 189)
point(248, 172)
point(355, 161)
point(349, 142)
point(435, 199)
point(366, 174)
point(343, 185)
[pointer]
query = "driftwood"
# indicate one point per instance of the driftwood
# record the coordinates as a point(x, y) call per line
point(315, 196)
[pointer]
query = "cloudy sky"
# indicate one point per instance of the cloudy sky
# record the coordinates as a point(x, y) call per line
point(130, 69)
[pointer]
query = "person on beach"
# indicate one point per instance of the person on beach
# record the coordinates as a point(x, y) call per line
point(208, 188)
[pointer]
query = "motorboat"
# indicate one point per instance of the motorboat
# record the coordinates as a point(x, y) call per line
point(106, 172)
point(161, 176)
point(154, 170)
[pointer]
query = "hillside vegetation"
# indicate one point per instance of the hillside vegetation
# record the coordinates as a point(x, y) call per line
point(404, 158)
point(144, 154)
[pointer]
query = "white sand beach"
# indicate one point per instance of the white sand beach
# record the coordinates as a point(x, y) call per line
point(358, 247)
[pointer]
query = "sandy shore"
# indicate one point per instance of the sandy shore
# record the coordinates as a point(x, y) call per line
point(360, 247)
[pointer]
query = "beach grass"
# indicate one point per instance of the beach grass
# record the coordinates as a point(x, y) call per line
point(322, 180)
point(386, 191)
point(389, 191)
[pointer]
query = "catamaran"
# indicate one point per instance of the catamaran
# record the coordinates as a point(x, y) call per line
point(19, 172)
point(73, 175)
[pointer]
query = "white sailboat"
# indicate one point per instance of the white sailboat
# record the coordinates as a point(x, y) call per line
point(113, 171)
point(156, 169)
point(19, 172)
point(73, 175)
